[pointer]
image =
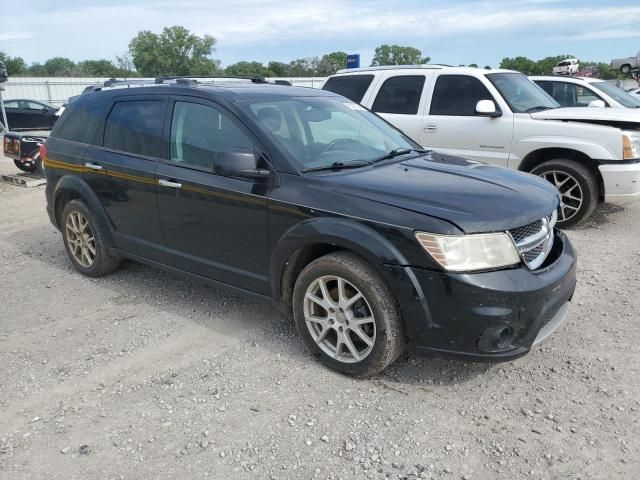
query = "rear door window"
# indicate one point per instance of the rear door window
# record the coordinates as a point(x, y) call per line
point(400, 95)
point(351, 86)
point(457, 95)
point(135, 126)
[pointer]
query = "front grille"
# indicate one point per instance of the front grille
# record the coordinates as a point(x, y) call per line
point(535, 240)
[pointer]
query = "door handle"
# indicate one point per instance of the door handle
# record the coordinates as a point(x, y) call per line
point(431, 128)
point(170, 184)
point(93, 166)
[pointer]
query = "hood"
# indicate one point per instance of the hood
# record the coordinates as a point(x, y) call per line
point(474, 196)
point(586, 114)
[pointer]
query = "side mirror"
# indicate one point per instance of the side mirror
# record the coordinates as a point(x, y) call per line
point(487, 108)
point(239, 163)
point(597, 103)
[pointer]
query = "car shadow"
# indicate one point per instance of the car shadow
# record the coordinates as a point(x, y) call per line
point(247, 319)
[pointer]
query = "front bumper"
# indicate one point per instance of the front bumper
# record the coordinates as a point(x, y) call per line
point(491, 316)
point(621, 182)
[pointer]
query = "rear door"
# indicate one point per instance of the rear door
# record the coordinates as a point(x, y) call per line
point(121, 170)
point(15, 117)
point(213, 225)
point(401, 100)
point(451, 124)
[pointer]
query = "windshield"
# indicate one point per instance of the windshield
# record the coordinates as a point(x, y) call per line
point(623, 98)
point(522, 95)
point(323, 131)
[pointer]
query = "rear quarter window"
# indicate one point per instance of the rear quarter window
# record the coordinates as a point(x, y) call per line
point(82, 123)
point(351, 86)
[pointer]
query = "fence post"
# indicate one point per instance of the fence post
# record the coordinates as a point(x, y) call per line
point(48, 90)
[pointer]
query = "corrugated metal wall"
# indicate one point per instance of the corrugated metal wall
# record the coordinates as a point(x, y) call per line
point(56, 90)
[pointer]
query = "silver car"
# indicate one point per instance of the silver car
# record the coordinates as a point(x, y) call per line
point(625, 65)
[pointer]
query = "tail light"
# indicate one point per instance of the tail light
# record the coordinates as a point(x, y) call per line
point(43, 152)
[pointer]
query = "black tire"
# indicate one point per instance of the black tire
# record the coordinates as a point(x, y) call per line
point(29, 168)
point(588, 188)
point(626, 68)
point(103, 261)
point(390, 339)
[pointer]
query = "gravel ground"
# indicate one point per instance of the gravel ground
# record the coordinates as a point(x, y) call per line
point(145, 375)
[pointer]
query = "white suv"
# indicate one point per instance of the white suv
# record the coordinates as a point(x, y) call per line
point(501, 117)
point(586, 92)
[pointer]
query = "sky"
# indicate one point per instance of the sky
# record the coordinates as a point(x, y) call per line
point(451, 32)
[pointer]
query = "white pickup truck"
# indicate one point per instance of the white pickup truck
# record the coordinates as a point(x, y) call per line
point(501, 117)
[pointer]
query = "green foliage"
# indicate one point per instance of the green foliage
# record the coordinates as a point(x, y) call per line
point(175, 51)
point(398, 55)
point(331, 63)
point(60, 67)
point(248, 69)
point(98, 68)
point(15, 65)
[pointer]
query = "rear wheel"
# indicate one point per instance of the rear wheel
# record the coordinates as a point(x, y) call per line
point(84, 241)
point(578, 189)
point(347, 316)
point(30, 167)
point(625, 69)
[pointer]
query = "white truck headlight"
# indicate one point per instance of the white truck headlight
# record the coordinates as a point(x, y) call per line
point(630, 145)
point(466, 253)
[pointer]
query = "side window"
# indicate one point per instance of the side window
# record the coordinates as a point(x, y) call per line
point(198, 132)
point(351, 86)
point(400, 95)
point(571, 95)
point(136, 127)
point(11, 104)
point(457, 95)
point(32, 105)
point(82, 124)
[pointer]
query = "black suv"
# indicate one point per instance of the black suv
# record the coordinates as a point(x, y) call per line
point(303, 197)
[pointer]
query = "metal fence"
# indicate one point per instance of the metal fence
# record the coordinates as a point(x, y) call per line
point(56, 90)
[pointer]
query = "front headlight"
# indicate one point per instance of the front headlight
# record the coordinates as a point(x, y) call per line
point(630, 145)
point(466, 253)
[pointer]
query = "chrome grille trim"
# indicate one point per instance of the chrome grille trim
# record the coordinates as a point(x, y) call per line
point(535, 240)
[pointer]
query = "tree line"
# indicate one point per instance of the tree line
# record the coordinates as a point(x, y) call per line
point(177, 51)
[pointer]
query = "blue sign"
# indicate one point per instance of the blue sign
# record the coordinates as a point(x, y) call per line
point(353, 61)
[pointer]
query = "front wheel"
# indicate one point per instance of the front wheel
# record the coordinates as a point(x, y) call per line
point(347, 316)
point(625, 69)
point(578, 189)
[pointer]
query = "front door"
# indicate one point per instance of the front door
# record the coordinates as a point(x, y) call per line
point(213, 226)
point(451, 124)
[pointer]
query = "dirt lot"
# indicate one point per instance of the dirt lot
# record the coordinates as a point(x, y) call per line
point(145, 375)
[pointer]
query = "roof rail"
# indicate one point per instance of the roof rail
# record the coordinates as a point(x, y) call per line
point(165, 78)
point(393, 67)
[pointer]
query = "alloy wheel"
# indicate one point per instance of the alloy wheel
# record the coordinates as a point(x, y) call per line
point(80, 238)
point(339, 319)
point(570, 192)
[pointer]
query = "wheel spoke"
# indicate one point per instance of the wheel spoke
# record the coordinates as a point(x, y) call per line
point(317, 300)
point(363, 336)
point(352, 348)
point(352, 300)
point(325, 292)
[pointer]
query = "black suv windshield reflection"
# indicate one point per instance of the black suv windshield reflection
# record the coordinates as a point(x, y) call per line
point(522, 95)
point(322, 131)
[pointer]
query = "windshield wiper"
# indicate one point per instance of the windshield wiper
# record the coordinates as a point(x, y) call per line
point(338, 166)
point(539, 108)
point(397, 152)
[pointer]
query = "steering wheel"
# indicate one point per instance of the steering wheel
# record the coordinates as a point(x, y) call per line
point(336, 144)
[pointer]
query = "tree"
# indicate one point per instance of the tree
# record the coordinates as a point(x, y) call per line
point(124, 65)
point(175, 51)
point(398, 55)
point(15, 65)
point(60, 67)
point(331, 63)
point(303, 67)
point(279, 69)
point(248, 69)
point(520, 64)
point(475, 65)
point(98, 68)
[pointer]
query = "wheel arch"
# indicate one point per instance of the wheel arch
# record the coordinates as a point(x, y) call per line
point(537, 157)
point(315, 238)
point(72, 187)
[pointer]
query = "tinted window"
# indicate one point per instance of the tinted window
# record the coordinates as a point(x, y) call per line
point(136, 127)
point(457, 95)
point(11, 104)
point(569, 94)
point(81, 124)
point(198, 132)
point(400, 95)
point(351, 86)
point(32, 105)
